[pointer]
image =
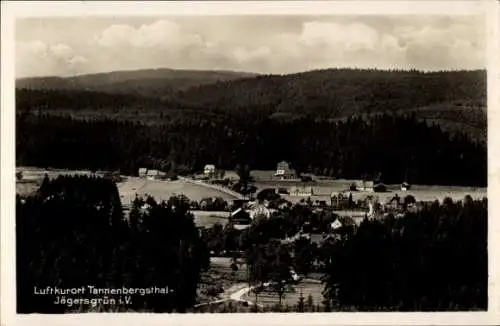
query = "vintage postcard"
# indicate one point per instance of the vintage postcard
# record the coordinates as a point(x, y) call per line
point(312, 163)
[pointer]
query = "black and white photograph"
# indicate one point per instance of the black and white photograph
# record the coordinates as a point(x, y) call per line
point(249, 163)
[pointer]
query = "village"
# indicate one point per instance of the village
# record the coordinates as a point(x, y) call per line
point(352, 201)
point(216, 195)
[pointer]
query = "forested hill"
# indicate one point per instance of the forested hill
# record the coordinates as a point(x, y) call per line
point(339, 92)
point(456, 100)
point(148, 82)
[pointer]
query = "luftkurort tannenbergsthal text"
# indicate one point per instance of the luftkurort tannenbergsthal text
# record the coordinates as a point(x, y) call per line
point(63, 294)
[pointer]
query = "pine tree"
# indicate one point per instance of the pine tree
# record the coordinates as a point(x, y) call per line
point(300, 303)
point(310, 303)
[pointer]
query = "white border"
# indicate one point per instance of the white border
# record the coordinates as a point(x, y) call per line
point(11, 10)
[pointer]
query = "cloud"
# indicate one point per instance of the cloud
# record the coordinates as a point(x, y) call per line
point(266, 45)
point(35, 48)
point(36, 58)
point(338, 37)
point(62, 51)
point(77, 59)
point(115, 35)
point(242, 54)
point(452, 46)
point(433, 46)
point(160, 34)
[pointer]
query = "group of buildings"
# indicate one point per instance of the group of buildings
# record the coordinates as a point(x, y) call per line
point(210, 172)
point(152, 174)
point(243, 216)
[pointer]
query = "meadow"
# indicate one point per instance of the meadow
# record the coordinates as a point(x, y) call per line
point(323, 188)
point(163, 190)
point(132, 186)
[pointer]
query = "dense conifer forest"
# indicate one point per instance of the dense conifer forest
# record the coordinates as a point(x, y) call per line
point(434, 260)
point(73, 234)
point(397, 147)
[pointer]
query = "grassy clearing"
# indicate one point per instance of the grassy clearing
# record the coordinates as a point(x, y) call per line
point(208, 219)
point(32, 178)
point(163, 190)
point(324, 188)
point(27, 188)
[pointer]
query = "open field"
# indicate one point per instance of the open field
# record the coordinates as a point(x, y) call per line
point(26, 188)
point(163, 190)
point(32, 178)
point(208, 219)
point(160, 190)
point(322, 190)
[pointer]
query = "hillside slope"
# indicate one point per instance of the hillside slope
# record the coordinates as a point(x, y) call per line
point(149, 82)
point(336, 92)
point(455, 100)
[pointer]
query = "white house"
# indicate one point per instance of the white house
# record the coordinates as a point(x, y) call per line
point(405, 186)
point(362, 185)
point(336, 224)
point(153, 174)
point(143, 172)
point(209, 169)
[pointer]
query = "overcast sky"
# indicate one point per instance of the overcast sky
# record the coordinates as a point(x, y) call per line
point(262, 44)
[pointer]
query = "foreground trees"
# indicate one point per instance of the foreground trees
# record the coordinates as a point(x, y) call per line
point(73, 234)
point(433, 260)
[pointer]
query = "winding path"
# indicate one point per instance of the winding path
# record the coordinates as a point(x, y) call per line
point(234, 293)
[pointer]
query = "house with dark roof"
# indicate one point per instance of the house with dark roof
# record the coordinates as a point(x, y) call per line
point(268, 194)
point(284, 172)
point(240, 217)
point(379, 187)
